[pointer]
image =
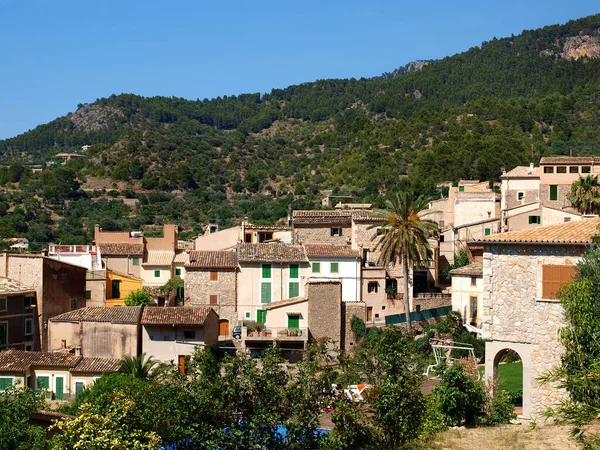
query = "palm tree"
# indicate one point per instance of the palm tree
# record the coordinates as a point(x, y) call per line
point(585, 194)
point(138, 366)
point(405, 237)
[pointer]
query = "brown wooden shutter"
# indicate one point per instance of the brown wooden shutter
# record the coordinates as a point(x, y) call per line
point(214, 299)
point(554, 277)
point(214, 275)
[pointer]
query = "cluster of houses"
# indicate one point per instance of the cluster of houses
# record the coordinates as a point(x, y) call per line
point(63, 321)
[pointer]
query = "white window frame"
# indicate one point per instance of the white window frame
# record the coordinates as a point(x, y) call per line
point(78, 380)
point(248, 315)
point(522, 196)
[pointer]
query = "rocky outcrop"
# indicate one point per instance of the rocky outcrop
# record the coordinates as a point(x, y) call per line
point(96, 117)
point(413, 66)
point(583, 46)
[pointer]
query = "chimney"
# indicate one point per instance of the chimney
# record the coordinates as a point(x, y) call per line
point(503, 169)
point(77, 351)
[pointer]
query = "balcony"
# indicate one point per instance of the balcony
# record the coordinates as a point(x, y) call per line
point(273, 333)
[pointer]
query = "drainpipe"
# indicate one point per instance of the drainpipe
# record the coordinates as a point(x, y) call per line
point(280, 281)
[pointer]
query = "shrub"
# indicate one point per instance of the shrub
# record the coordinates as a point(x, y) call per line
point(500, 410)
point(358, 328)
point(138, 298)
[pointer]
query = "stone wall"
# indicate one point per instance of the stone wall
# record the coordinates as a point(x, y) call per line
point(198, 287)
point(514, 313)
point(563, 193)
point(431, 301)
point(529, 196)
point(321, 234)
point(325, 310)
point(349, 310)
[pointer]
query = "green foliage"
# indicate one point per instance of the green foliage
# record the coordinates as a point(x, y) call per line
point(460, 398)
point(139, 297)
point(16, 407)
point(140, 366)
point(501, 409)
point(358, 327)
point(585, 194)
point(460, 260)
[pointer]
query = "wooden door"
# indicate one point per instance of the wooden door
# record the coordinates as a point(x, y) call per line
point(223, 328)
point(181, 363)
point(60, 388)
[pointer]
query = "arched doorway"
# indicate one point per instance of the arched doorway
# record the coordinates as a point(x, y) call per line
point(223, 327)
point(509, 365)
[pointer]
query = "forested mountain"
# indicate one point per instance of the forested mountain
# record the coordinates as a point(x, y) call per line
point(507, 102)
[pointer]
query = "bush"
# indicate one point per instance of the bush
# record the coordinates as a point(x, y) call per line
point(501, 410)
point(358, 328)
point(138, 298)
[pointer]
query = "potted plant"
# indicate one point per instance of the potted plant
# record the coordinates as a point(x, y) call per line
point(259, 327)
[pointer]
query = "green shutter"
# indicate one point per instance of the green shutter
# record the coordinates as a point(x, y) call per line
point(461, 189)
point(316, 267)
point(5, 383)
point(157, 274)
point(135, 261)
point(116, 289)
point(28, 326)
point(60, 388)
point(487, 231)
point(79, 387)
point(178, 271)
point(294, 289)
point(43, 382)
point(293, 270)
point(266, 271)
point(530, 220)
point(553, 192)
point(293, 321)
point(261, 316)
point(335, 267)
point(88, 295)
point(265, 292)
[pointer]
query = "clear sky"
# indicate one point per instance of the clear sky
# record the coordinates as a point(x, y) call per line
point(57, 54)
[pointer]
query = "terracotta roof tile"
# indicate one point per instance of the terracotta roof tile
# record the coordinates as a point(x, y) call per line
point(9, 286)
point(115, 314)
point(335, 217)
point(271, 252)
point(254, 227)
point(174, 315)
point(20, 360)
point(96, 365)
point(575, 232)
point(475, 269)
point(330, 251)
point(181, 258)
point(569, 160)
point(125, 249)
point(523, 172)
point(212, 260)
point(158, 258)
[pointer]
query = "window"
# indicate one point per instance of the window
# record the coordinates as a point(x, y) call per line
point(335, 267)
point(5, 383)
point(383, 308)
point(157, 273)
point(548, 169)
point(214, 275)
point(248, 238)
point(28, 327)
point(73, 304)
point(294, 289)
point(214, 299)
point(586, 169)
point(336, 231)
point(441, 224)
point(177, 271)
point(473, 281)
point(316, 267)
point(79, 387)
point(3, 331)
point(116, 289)
point(391, 286)
point(567, 219)
point(553, 192)
point(135, 261)
point(3, 305)
point(294, 271)
point(461, 189)
point(574, 169)
point(266, 270)
point(28, 348)
point(29, 302)
point(554, 277)
point(265, 292)
point(473, 306)
point(372, 287)
point(213, 229)
point(418, 308)
point(248, 315)
point(442, 238)
point(561, 169)
point(261, 316)
point(293, 321)
point(88, 295)
point(262, 237)
point(487, 231)
point(520, 195)
point(535, 220)
point(189, 334)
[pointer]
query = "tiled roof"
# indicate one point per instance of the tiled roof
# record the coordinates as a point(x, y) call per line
point(212, 260)
point(569, 160)
point(254, 227)
point(523, 172)
point(158, 258)
point(96, 365)
point(181, 258)
point(174, 315)
point(285, 302)
point(330, 251)
point(335, 217)
point(115, 314)
point(575, 232)
point(271, 252)
point(9, 286)
point(20, 360)
point(475, 269)
point(126, 249)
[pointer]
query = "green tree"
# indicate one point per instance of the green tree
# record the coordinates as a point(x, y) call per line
point(139, 297)
point(585, 194)
point(140, 366)
point(16, 407)
point(406, 235)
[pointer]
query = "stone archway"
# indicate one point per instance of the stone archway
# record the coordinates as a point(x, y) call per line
point(493, 353)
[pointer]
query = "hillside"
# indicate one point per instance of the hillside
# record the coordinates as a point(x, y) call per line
point(505, 103)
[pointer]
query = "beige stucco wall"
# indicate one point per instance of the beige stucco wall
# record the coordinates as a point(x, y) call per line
point(514, 314)
point(462, 291)
point(553, 217)
point(96, 283)
point(123, 264)
point(220, 240)
point(165, 343)
point(471, 207)
point(278, 317)
point(512, 186)
point(147, 274)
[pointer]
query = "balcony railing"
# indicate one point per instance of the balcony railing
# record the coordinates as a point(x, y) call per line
point(281, 333)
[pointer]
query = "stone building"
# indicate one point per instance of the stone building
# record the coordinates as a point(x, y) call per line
point(104, 332)
point(17, 315)
point(59, 287)
point(522, 270)
point(211, 281)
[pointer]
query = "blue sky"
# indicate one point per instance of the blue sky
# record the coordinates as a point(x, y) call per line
point(56, 54)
